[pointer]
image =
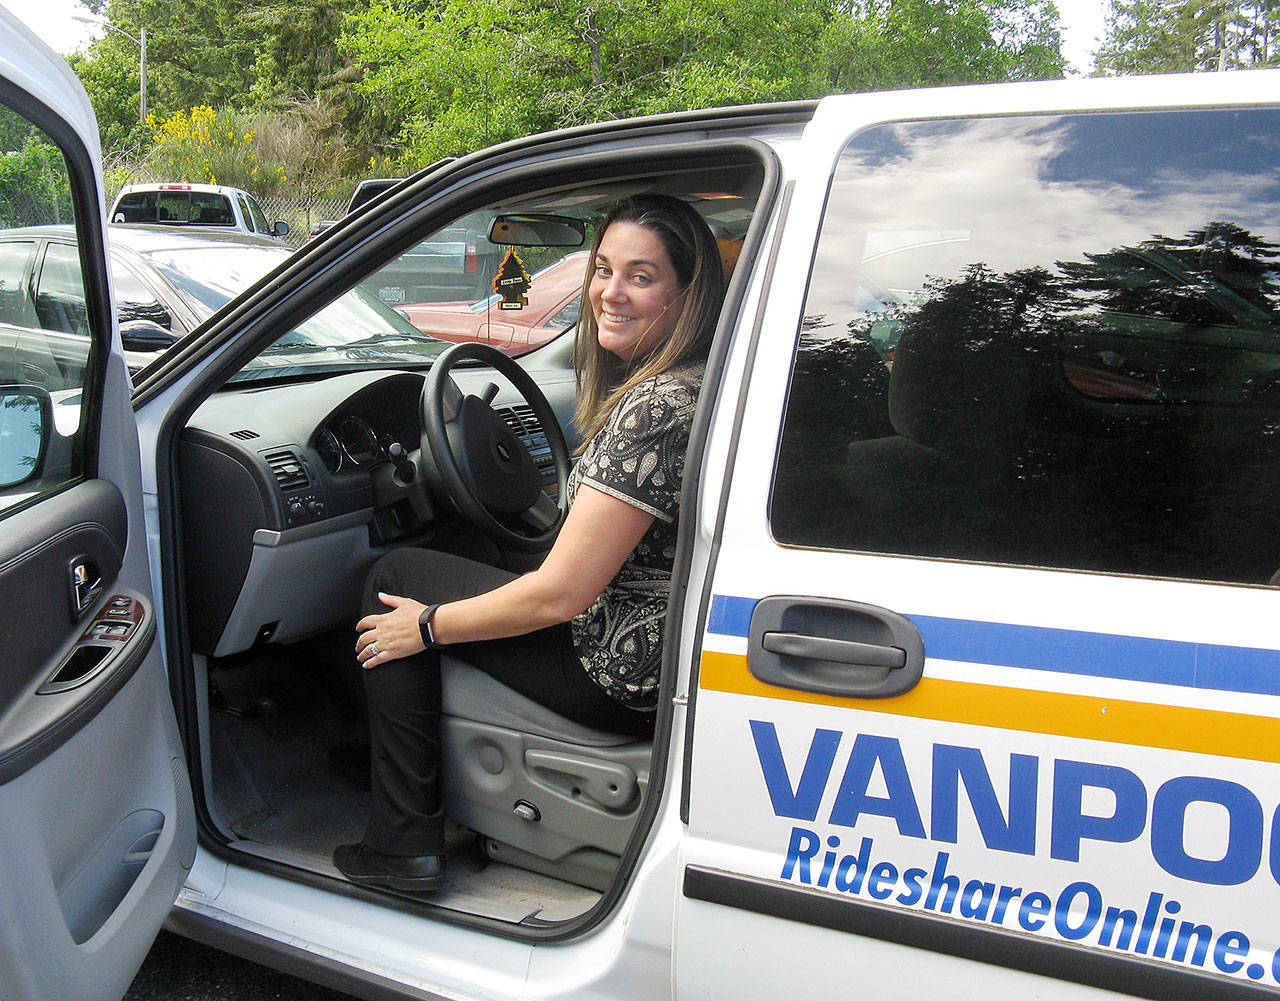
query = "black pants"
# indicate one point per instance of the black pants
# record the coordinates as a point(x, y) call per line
point(404, 695)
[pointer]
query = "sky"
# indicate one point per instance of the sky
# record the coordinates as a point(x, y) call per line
point(53, 21)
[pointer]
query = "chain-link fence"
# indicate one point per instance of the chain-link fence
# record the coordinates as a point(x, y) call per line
point(302, 214)
point(21, 208)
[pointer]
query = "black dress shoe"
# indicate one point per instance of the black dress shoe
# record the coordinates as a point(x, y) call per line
point(407, 873)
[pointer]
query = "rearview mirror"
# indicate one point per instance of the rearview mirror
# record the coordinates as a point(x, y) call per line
point(280, 228)
point(26, 416)
point(538, 230)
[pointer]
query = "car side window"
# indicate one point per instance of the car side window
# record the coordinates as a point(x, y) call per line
point(16, 307)
point(60, 302)
point(134, 300)
point(254, 215)
point(45, 339)
point(1048, 341)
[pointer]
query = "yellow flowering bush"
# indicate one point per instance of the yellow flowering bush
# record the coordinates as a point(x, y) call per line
point(204, 145)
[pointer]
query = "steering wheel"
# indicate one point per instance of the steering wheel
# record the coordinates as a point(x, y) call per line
point(483, 467)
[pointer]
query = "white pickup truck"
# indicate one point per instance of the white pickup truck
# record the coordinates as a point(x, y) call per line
point(189, 204)
point(972, 675)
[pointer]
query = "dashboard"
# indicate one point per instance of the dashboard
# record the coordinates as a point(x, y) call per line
point(290, 492)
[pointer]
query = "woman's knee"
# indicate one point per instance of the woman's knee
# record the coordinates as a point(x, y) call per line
point(392, 574)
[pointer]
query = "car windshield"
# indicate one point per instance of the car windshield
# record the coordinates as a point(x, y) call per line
point(344, 332)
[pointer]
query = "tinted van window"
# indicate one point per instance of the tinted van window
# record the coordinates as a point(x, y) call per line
point(1049, 341)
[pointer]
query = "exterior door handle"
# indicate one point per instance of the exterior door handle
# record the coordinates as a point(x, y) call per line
point(839, 651)
point(833, 647)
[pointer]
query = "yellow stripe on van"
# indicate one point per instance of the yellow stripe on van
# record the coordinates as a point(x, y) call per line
point(1175, 728)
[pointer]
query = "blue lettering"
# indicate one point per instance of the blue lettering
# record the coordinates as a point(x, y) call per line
point(859, 864)
point(1071, 825)
point(1244, 830)
point(1203, 934)
point(914, 878)
point(1229, 945)
point(975, 901)
point(800, 802)
point(940, 880)
point(1128, 922)
point(803, 847)
point(1017, 833)
point(829, 861)
point(1166, 930)
point(1275, 848)
point(1033, 910)
point(1148, 925)
point(1006, 896)
point(1062, 911)
point(852, 800)
point(883, 879)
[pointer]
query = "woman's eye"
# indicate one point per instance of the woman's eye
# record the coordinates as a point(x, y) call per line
point(602, 272)
point(641, 279)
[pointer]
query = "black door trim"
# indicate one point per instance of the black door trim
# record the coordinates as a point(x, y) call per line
point(1137, 977)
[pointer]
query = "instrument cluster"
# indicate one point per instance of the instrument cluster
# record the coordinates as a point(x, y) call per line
point(353, 442)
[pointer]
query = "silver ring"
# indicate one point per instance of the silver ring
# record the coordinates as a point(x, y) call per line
point(373, 650)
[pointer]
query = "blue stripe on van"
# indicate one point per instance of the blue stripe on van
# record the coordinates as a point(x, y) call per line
point(1066, 651)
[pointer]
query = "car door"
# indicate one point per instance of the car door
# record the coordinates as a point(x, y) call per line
point(96, 824)
point(987, 701)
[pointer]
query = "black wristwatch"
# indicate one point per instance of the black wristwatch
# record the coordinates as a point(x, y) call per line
point(424, 627)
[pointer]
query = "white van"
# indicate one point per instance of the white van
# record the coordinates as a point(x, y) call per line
point(972, 681)
point(185, 204)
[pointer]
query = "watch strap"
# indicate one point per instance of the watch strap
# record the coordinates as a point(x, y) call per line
point(424, 627)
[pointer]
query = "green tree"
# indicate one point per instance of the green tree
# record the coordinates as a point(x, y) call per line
point(1182, 36)
point(34, 185)
point(457, 74)
point(197, 54)
point(111, 78)
point(885, 44)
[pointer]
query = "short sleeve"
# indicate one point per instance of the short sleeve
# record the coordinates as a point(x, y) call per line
point(640, 453)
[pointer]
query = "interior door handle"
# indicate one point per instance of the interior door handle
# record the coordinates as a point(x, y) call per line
point(834, 647)
point(839, 651)
point(86, 585)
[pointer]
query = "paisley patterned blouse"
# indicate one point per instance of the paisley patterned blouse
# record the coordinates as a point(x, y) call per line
point(638, 457)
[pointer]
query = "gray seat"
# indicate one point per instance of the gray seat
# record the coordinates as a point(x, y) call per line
point(547, 794)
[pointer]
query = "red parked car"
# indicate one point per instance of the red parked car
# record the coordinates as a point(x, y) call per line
point(554, 300)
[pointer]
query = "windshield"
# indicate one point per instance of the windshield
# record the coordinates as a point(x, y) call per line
point(343, 332)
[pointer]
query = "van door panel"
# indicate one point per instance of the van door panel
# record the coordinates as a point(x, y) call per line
point(1045, 446)
point(96, 824)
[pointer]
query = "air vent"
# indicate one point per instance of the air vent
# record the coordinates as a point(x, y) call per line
point(288, 470)
point(245, 435)
point(521, 420)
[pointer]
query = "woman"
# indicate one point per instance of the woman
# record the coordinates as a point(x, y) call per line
point(590, 618)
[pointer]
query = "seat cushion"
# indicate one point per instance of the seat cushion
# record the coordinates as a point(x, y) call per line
point(471, 694)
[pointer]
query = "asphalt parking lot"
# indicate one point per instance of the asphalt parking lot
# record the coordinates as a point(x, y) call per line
point(178, 969)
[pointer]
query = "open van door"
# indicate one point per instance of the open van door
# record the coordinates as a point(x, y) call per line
point(96, 825)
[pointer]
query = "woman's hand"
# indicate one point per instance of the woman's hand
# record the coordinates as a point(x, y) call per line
point(391, 635)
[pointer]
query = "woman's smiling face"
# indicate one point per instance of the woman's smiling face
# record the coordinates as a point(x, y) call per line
point(633, 290)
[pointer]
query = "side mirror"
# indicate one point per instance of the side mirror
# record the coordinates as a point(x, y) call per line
point(280, 228)
point(146, 335)
point(538, 230)
point(26, 419)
